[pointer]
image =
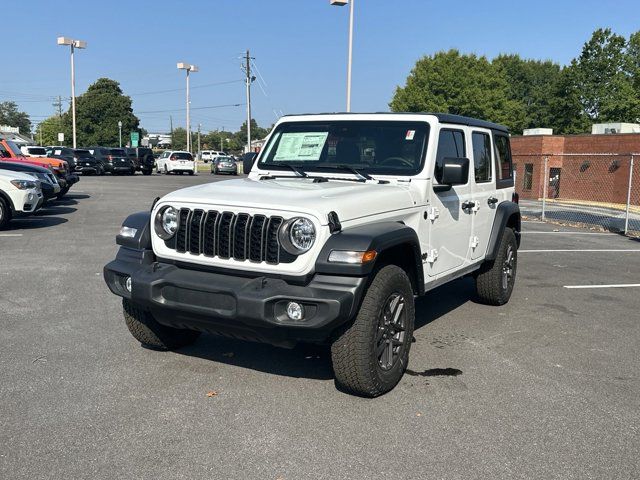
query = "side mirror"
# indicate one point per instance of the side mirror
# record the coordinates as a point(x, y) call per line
point(247, 163)
point(455, 171)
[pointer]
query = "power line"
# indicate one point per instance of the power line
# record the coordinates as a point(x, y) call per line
point(193, 108)
point(182, 89)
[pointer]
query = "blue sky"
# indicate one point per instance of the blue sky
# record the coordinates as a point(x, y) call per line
point(299, 48)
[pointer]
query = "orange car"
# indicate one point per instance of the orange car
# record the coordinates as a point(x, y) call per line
point(10, 152)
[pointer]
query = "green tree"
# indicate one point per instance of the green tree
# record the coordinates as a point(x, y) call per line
point(459, 84)
point(531, 82)
point(603, 77)
point(98, 111)
point(179, 139)
point(48, 130)
point(11, 116)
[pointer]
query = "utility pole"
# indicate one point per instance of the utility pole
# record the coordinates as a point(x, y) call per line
point(171, 127)
point(222, 139)
point(248, 81)
point(199, 127)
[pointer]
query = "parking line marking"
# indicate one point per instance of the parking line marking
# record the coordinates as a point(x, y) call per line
point(582, 250)
point(10, 234)
point(571, 233)
point(620, 285)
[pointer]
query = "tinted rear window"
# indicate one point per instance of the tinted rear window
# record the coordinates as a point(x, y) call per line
point(181, 156)
point(117, 151)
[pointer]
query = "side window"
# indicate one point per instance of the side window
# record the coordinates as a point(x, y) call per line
point(4, 153)
point(482, 156)
point(504, 164)
point(450, 145)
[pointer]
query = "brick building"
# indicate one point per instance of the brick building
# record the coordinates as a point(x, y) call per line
point(593, 168)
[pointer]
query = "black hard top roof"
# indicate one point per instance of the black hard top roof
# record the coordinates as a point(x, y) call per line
point(442, 117)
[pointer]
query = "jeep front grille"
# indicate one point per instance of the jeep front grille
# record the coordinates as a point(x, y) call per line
point(228, 235)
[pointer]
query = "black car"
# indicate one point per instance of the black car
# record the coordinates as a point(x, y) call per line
point(113, 160)
point(48, 182)
point(120, 162)
point(86, 163)
point(142, 158)
point(63, 153)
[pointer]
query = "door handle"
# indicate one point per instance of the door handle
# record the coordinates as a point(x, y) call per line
point(492, 200)
point(468, 205)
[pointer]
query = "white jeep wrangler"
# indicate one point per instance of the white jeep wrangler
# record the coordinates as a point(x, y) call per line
point(343, 220)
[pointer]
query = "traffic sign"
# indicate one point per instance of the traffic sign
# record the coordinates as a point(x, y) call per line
point(135, 138)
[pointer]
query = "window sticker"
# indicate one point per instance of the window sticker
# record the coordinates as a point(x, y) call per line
point(410, 135)
point(304, 146)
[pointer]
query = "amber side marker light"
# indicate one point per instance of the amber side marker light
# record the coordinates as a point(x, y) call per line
point(352, 256)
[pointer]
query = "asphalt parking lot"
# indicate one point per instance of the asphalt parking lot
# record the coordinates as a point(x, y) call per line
point(544, 387)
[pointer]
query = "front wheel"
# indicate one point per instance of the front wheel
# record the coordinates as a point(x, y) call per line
point(152, 334)
point(146, 171)
point(495, 281)
point(371, 354)
point(5, 213)
point(62, 192)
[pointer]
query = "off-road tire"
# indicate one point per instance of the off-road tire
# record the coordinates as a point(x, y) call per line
point(146, 171)
point(353, 352)
point(5, 213)
point(489, 281)
point(150, 333)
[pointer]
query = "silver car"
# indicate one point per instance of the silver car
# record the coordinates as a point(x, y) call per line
point(224, 165)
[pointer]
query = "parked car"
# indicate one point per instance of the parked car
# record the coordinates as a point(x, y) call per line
point(142, 158)
point(224, 165)
point(208, 155)
point(48, 182)
point(64, 153)
point(33, 151)
point(176, 162)
point(20, 194)
point(86, 163)
point(114, 160)
point(120, 162)
point(9, 151)
point(344, 220)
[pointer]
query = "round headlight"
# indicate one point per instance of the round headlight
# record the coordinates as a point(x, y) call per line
point(170, 220)
point(298, 235)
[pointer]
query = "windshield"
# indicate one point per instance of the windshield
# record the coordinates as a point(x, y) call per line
point(36, 151)
point(14, 149)
point(181, 156)
point(373, 147)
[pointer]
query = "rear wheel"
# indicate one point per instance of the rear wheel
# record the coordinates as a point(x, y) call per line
point(150, 333)
point(146, 171)
point(5, 213)
point(494, 283)
point(191, 172)
point(371, 354)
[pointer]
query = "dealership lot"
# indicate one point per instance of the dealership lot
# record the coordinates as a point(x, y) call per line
point(544, 387)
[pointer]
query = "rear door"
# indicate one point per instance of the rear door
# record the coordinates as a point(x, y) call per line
point(484, 191)
point(449, 224)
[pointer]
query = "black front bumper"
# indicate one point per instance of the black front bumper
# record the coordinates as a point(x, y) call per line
point(249, 308)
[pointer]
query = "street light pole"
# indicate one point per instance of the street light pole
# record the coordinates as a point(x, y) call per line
point(120, 132)
point(73, 44)
point(189, 68)
point(341, 3)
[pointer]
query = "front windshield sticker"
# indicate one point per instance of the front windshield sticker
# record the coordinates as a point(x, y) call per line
point(410, 134)
point(305, 146)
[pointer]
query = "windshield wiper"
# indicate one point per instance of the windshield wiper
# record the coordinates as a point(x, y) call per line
point(295, 168)
point(348, 168)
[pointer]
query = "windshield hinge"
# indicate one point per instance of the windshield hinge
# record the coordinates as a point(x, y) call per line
point(433, 213)
point(432, 256)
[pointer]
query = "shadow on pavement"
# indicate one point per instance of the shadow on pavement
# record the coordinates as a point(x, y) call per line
point(33, 222)
point(54, 209)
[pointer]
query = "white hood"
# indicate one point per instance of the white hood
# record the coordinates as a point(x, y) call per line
point(348, 199)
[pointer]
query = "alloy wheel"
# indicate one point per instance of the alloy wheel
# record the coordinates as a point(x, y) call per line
point(507, 268)
point(391, 337)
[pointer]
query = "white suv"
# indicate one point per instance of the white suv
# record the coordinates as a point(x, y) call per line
point(176, 161)
point(20, 194)
point(343, 220)
point(209, 155)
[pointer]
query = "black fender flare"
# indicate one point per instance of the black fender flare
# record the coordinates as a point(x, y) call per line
point(507, 213)
point(380, 237)
point(141, 221)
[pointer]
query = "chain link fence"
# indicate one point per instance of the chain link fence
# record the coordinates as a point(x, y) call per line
point(597, 191)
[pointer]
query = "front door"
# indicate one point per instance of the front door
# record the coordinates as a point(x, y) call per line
point(449, 224)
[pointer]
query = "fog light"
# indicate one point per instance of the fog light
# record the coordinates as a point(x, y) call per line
point(295, 311)
point(127, 284)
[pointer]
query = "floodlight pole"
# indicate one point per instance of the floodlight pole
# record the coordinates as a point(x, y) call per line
point(341, 3)
point(73, 44)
